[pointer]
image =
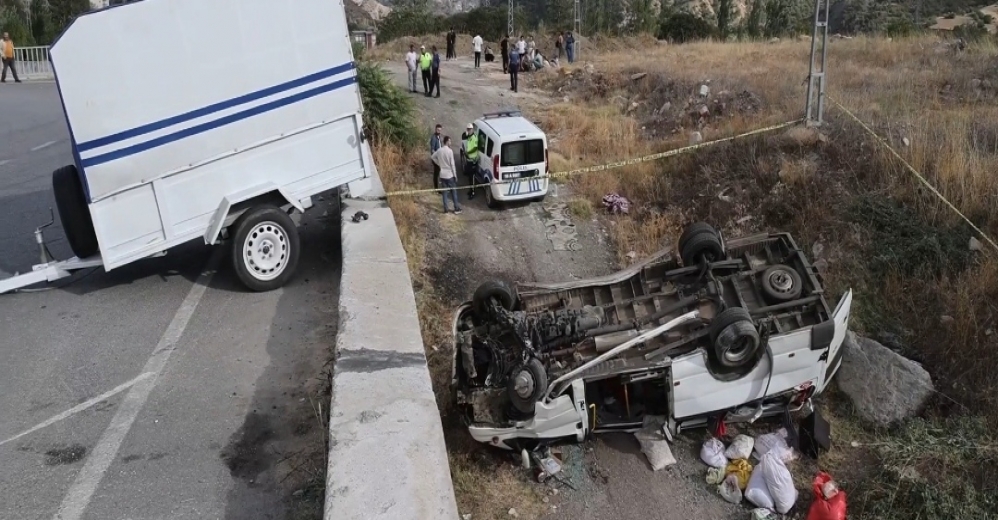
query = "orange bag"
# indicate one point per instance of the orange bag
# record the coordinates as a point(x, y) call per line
point(822, 508)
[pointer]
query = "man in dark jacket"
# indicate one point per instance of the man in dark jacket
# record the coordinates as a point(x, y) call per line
point(504, 50)
point(451, 43)
point(436, 141)
point(434, 73)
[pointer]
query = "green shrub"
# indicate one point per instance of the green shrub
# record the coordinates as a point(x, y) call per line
point(389, 114)
point(683, 27)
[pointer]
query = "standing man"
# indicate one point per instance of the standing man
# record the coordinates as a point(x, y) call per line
point(410, 61)
point(560, 45)
point(504, 49)
point(531, 48)
point(570, 47)
point(521, 49)
point(435, 143)
point(8, 59)
point(514, 69)
point(425, 61)
point(443, 159)
point(477, 43)
point(451, 40)
point(435, 73)
point(471, 158)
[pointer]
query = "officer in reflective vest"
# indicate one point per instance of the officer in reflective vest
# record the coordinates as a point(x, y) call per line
point(425, 60)
point(471, 158)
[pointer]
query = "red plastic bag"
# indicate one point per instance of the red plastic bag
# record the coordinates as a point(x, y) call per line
point(822, 508)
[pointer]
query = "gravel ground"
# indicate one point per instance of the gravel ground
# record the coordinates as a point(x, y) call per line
point(539, 242)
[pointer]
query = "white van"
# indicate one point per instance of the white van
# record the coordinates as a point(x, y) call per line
point(513, 157)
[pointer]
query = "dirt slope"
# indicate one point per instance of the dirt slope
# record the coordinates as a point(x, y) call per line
point(542, 242)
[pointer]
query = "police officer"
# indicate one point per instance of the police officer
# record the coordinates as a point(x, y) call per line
point(470, 152)
point(425, 60)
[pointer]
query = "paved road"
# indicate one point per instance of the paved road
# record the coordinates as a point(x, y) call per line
point(153, 391)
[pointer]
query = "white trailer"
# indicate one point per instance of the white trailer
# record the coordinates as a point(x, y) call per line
point(227, 117)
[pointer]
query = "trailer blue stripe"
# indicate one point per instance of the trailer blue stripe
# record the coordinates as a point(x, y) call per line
point(211, 125)
point(217, 107)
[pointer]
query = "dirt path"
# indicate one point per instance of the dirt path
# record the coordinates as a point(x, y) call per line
point(542, 242)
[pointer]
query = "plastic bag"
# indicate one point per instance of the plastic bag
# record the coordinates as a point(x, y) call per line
point(715, 476)
point(757, 492)
point(762, 514)
point(712, 453)
point(829, 501)
point(776, 441)
point(779, 481)
point(741, 448)
point(729, 490)
point(741, 469)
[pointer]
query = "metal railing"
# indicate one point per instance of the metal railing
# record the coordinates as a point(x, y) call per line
point(33, 63)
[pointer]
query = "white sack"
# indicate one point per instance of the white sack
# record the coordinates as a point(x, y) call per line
point(712, 453)
point(776, 441)
point(741, 448)
point(757, 492)
point(779, 481)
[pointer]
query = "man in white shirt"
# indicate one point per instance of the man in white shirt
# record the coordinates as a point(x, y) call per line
point(521, 49)
point(444, 158)
point(410, 61)
point(477, 43)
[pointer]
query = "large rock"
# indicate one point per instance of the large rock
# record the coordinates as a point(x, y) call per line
point(884, 386)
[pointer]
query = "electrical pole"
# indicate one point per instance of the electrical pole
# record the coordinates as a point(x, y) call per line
point(509, 20)
point(816, 77)
point(576, 27)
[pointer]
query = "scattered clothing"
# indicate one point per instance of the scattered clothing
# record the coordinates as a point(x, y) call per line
point(616, 204)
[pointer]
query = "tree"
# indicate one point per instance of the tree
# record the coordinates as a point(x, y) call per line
point(682, 26)
point(641, 18)
point(753, 22)
point(62, 12)
point(724, 11)
point(14, 20)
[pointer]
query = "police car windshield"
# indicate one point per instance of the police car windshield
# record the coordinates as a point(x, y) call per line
point(519, 153)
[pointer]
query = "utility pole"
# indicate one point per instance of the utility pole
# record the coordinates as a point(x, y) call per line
point(576, 27)
point(816, 77)
point(509, 20)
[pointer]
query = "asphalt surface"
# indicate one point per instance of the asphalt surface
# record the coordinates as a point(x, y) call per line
point(152, 391)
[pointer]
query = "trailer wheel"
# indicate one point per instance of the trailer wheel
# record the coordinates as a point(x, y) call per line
point(73, 212)
point(265, 248)
point(694, 229)
point(527, 383)
point(734, 338)
point(781, 283)
point(493, 289)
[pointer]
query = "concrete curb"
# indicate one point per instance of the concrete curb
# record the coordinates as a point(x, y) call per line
point(387, 457)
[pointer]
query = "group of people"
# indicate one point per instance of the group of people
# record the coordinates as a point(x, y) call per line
point(428, 65)
point(445, 166)
point(524, 56)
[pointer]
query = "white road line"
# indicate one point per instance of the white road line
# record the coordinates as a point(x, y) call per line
point(78, 408)
point(81, 492)
point(43, 145)
point(5, 161)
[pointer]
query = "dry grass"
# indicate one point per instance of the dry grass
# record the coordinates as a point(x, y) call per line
point(907, 260)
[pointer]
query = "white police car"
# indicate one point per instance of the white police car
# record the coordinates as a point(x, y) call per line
point(513, 158)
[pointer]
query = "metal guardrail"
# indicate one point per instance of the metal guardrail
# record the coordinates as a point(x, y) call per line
point(33, 63)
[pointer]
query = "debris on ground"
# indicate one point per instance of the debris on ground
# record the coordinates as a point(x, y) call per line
point(729, 490)
point(779, 482)
point(654, 444)
point(740, 448)
point(616, 204)
point(763, 514)
point(775, 442)
point(829, 501)
point(741, 469)
point(884, 386)
point(757, 492)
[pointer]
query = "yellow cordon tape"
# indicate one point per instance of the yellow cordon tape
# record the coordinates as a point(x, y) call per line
point(610, 166)
point(914, 172)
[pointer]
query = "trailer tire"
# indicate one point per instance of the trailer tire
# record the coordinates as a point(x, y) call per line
point(706, 245)
point(497, 289)
point(527, 383)
point(265, 248)
point(694, 229)
point(733, 337)
point(781, 283)
point(73, 212)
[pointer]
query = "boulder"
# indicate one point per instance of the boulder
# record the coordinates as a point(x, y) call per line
point(884, 386)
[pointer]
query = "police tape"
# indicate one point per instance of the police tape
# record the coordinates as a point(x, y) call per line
point(914, 172)
point(606, 167)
